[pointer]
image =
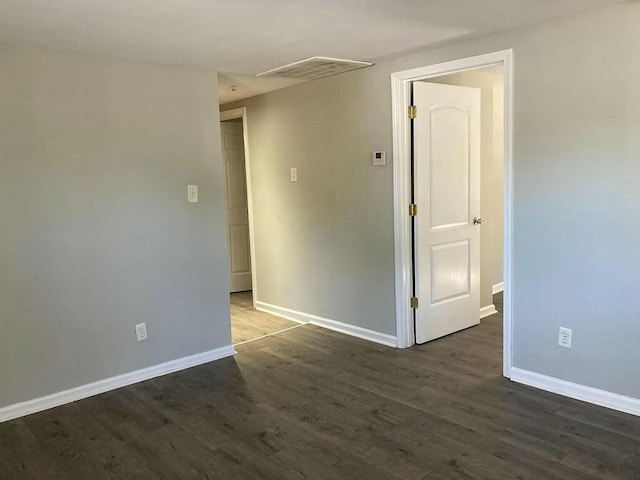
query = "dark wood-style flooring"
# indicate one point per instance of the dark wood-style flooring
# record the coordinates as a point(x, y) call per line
point(249, 324)
point(310, 403)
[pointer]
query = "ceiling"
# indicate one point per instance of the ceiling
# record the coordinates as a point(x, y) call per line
point(245, 37)
point(235, 86)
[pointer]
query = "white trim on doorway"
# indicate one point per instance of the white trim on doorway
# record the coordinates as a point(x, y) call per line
point(497, 288)
point(230, 115)
point(401, 97)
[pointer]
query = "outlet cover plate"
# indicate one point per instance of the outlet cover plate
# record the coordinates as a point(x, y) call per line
point(141, 331)
point(564, 337)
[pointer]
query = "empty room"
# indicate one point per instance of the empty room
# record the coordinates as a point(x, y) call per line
point(319, 240)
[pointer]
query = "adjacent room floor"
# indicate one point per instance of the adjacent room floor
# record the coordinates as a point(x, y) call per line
point(249, 324)
point(310, 403)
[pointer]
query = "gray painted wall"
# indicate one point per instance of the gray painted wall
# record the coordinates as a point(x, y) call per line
point(97, 235)
point(325, 245)
point(489, 81)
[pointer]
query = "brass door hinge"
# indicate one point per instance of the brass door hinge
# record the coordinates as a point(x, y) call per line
point(413, 210)
point(414, 302)
point(413, 111)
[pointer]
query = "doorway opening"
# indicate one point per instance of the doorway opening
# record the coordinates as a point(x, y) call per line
point(453, 127)
point(247, 323)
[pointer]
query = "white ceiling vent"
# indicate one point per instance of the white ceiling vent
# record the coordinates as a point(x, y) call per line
point(314, 68)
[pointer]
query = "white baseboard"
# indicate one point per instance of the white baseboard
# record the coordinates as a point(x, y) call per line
point(282, 312)
point(345, 328)
point(101, 386)
point(487, 311)
point(579, 392)
point(498, 287)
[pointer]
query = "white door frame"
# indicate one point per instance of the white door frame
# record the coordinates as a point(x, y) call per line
point(401, 97)
point(230, 115)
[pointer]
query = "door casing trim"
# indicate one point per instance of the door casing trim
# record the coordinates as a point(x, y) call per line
point(401, 98)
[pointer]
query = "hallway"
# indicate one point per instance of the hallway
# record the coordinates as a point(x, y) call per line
point(249, 324)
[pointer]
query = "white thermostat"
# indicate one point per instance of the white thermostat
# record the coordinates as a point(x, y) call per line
point(379, 158)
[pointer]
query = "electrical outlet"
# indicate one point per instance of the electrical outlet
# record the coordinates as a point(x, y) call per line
point(564, 337)
point(294, 174)
point(141, 331)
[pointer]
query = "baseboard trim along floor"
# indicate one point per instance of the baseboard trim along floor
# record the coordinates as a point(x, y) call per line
point(596, 396)
point(487, 311)
point(101, 386)
point(300, 317)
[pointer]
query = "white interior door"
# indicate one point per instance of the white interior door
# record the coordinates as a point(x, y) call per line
point(237, 206)
point(447, 192)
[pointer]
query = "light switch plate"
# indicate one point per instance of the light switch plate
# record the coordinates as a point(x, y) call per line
point(294, 175)
point(379, 158)
point(192, 193)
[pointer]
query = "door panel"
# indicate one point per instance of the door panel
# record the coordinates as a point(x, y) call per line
point(450, 271)
point(240, 255)
point(449, 166)
point(237, 206)
point(237, 186)
point(447, 191)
